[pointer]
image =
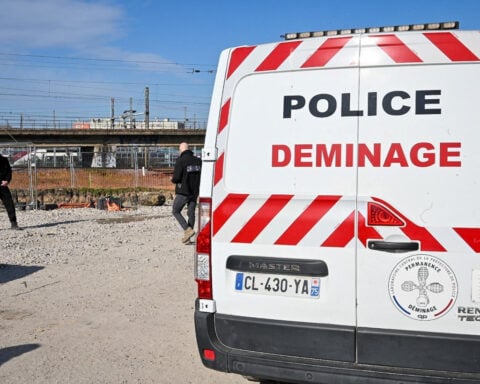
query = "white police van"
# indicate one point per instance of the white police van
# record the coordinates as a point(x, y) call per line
point(339, 225)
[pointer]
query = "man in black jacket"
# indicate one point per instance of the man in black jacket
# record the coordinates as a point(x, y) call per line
point(5, 194)
point(186, 176)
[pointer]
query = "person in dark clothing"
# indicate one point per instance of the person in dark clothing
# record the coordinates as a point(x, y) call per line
point(186, 176)
point(5, 194)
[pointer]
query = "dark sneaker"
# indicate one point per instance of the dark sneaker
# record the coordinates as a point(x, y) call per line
point(16, 227)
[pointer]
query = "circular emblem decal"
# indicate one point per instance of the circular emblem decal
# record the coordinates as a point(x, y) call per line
point(423, 287)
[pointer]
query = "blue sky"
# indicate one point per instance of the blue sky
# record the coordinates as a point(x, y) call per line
point(67, 58)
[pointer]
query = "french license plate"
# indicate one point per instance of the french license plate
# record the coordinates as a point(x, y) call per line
point(278, 285)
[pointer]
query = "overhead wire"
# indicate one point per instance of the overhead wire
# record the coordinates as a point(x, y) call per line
point(104, 60)
point(59, 89)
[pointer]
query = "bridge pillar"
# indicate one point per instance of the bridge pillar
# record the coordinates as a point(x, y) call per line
point(104, 156)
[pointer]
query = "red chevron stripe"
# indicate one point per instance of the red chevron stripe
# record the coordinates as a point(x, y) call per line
point(396, 49)
point(471, 236)
point(226, 209)
point(224, 116)
point(427, 241)
point(218, 169)
point(281, 52)
point(262, 218)
point(305, 222)
point(451, 46)
point(237, 58)
point(343, 234)
point(326, 52)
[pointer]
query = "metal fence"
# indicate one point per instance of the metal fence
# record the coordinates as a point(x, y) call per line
point(114, 167)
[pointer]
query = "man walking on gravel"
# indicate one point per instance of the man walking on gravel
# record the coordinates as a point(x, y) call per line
point(186, 176)
point(5, 194)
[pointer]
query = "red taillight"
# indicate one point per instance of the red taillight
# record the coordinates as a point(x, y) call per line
point(204, 238)
point(204, 289)
point(379, 215)
point(203, 250)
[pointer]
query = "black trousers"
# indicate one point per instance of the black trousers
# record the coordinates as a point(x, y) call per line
point(7, 200)
point(179, 203)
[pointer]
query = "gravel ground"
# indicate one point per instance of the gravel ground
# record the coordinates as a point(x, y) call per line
point(89, 296)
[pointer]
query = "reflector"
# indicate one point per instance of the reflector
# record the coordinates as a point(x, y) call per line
point(202, 267)
point(208, 354)
point(379, 215)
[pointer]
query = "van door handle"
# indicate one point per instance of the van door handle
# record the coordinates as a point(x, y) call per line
point(393, 246)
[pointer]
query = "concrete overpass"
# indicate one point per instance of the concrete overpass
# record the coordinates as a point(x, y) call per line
point(93, 137)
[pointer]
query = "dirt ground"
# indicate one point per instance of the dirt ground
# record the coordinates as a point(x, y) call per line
point(89, 296)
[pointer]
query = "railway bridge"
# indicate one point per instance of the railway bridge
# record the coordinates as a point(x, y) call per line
point(96, 137)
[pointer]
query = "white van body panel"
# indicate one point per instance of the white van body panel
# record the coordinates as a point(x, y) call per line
point(359, 154)
point(249, 143)
point(438, 198)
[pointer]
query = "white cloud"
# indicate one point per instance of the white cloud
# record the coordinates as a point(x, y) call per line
point(72, 24)
point(69, 56)
point(79, 27)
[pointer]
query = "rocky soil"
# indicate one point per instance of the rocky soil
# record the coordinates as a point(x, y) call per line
point(90, 296)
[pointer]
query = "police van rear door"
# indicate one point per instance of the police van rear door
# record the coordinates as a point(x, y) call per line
point(418, 185)
point(284, 198)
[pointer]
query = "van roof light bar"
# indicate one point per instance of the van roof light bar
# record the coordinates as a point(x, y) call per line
point(386, 29)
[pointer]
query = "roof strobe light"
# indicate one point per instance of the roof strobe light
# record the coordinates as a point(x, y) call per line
point(385, 29)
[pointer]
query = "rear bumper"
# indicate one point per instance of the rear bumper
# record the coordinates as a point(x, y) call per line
point(308, 370)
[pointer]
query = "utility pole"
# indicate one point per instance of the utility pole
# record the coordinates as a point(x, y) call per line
point(147, 108)
point(112, 118)
point(132, 119)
